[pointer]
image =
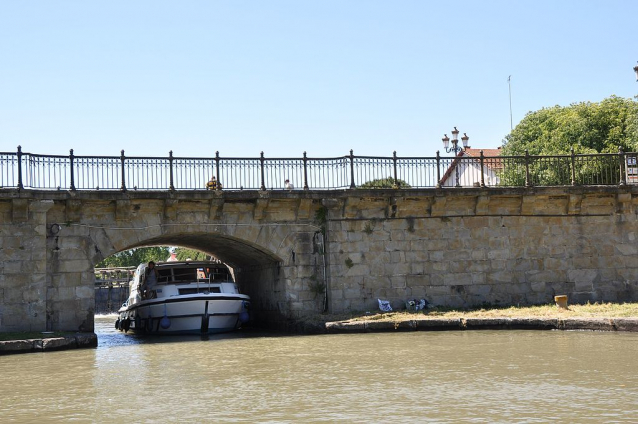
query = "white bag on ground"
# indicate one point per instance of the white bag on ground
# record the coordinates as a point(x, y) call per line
point(384, 305)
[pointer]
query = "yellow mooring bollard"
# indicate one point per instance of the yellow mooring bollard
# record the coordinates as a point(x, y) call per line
point(561, 301)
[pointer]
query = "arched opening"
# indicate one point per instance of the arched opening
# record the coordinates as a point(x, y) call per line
point(256, 271)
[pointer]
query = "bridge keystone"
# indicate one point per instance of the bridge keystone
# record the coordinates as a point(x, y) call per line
point(170, 208)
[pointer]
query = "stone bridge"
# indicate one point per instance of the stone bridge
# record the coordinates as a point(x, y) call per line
point(305, 252)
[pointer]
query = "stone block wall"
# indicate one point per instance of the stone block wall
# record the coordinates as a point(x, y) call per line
point(454, 247)
point(51, 241)
point(464, 250)
point(109, 299)
point(23, 273)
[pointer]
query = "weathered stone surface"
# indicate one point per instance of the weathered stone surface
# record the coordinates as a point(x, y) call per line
point(20, 210)
point(438, 324)
point(17, 346)
point(341, 327)
point(534, 323)
point(80, 340)
point(380, 326)
point(59, 343)
point(458, 248)
point(625, 324)
point(485, 323)
point(596, 324)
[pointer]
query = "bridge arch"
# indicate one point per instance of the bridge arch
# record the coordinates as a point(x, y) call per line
point(258, 271)
point(270, 246)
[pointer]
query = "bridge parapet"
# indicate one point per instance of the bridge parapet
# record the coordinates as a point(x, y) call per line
point(58, 172)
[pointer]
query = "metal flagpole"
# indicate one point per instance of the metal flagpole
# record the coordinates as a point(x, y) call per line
point(510, 87)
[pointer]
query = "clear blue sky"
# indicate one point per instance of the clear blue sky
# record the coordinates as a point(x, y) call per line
point(292, 76)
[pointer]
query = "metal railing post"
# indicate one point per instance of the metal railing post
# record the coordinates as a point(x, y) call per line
point(394, 163)
point(261, 163)
point(122, 158)
point(352, 169)
point(305, 172)
point(219, 182)
point(72, 171)
point(438, 169)
point(171, 185)
point(573, 162)
point(482, 169)
point(20, 186)
point(623, 174)
point(527, 178)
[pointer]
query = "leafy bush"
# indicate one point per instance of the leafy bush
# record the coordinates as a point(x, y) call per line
point(385, 183)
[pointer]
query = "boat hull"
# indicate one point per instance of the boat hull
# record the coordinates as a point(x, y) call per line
point(189, 314)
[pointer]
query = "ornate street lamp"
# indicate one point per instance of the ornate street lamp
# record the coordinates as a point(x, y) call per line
point(455, 148)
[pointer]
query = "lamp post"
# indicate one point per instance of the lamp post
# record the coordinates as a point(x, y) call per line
point(636, 71)
point(455, 148)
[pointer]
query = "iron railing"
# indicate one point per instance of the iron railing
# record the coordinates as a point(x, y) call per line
point(54, 172)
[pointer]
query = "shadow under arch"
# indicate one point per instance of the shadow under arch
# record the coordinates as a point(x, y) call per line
point(232, 251)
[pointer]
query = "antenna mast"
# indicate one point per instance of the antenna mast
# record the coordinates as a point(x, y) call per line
point(510, 87)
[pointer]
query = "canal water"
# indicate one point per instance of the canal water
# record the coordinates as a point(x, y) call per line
point(461, 376)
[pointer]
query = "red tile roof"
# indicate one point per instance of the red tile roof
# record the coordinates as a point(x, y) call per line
point(488, 153)
point(491, 161)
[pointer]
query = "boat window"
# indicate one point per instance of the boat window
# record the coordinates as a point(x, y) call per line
point(218, 274)
point(164, 275)
point(185, 274)
point(194, 290)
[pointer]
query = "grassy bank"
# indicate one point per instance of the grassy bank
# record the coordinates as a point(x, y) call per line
point(590, 310)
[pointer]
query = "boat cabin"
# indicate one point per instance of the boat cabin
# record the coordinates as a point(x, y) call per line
point(182, 278)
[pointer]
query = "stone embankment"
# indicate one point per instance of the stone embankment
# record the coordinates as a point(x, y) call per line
point(74, 341)
point(439, 324)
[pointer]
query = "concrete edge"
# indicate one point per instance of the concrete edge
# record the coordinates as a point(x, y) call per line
point(75, 341)
point(447, 324)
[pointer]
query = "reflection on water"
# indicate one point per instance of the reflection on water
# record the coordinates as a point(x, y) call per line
point(478, 376)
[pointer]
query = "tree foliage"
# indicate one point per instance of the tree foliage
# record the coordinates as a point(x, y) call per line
point(385, 183)
point(183, 254)
point(585, 127)
point(134, 257)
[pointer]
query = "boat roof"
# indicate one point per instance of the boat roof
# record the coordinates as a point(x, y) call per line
point(190, 264)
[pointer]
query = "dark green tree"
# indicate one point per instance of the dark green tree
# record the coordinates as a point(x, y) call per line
point(134, 257)
point(385, 183)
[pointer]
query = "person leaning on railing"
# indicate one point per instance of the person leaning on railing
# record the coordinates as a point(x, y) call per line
point(213, 184)
point(288, 185)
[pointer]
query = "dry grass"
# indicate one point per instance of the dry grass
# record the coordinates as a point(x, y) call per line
point(595, 310)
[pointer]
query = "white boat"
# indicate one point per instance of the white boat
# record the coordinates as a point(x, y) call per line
point(193, 297)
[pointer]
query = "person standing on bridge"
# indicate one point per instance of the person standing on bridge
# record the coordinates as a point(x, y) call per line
point(150, 280)
point(213, 184)
point(288, 185)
